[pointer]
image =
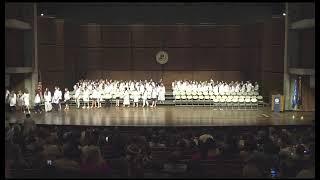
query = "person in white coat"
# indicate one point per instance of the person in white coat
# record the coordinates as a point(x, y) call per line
point(94, 97)
point(77, 96)
point(19, 101)
point(12, 101)
point(117, 95)
point(100, 96)
point(85, 97)
point(7, 99)
point(60, 97)
point(145, 98)
point(126, 98)
point(56, 99)
point(136, 97)
point(154, 96)
point(37, 103)
point(26, 101)
point(47, 100)
point(162, 93)
point(66, 97)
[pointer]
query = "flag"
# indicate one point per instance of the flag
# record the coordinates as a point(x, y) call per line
point(295, 94)
point(299, 93)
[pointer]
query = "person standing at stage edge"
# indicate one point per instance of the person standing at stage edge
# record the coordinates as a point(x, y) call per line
point(66, 98)
point(55, 99)
point(47, 100)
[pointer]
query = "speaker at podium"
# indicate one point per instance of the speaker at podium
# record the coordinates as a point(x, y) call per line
point(277, 103)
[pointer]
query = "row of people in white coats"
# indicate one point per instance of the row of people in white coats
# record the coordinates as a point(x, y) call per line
point(99, 90)
point(218, 87)
point(22, 100)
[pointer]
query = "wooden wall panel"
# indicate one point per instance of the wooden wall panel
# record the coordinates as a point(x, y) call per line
point(307, 50)
point(59, 25)
point(145, 59)
point(206, 36)
point(95, 58)
point(277, 31)
point(277, 59)
point(116, 59)
point(147, 37)
point(14, 55)
point(115, 37)
point(179, 59)
point(231, 36)
point(177, 36)
point(46, 31)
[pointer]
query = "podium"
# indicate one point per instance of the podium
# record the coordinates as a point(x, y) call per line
point(277, 103)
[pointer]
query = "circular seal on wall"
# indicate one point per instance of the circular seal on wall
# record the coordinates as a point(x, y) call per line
point(276, 100)
point(162, 57)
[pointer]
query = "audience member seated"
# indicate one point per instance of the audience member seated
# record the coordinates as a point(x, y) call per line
point(207, 151)
point(93, 165)
point(68, 164)
point(173, 165)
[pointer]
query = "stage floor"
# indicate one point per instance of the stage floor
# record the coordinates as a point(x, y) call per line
point(167, 116)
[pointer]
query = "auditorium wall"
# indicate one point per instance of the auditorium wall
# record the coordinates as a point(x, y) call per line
point(72, 51)
point(69, 51)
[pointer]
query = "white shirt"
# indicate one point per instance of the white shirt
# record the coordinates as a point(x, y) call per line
point(13, 100)
point(26, 99)
point(66, 95)
point(47, 97)
point(56, 96)
point(37, 99)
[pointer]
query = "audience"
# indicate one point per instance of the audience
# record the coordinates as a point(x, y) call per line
point(107, 151)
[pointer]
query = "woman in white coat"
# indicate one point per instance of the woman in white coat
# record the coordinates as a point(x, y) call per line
point(85, 97)
point(126, 98)
point(37, 103)
point(136, 97)
point(20, 101)
point(94, 98)
point(47, 100)
point(66, 97)
point(77, 96)
point(12, 101)
point(26, 101)
point(154, 95)
point(145, 98)
point(162, 93)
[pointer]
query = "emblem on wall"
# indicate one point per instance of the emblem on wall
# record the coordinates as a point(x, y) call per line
point(162, 57)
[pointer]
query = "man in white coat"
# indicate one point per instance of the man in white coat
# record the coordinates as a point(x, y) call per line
point(12, 101)
point(60, 97)
point(145, 98)
point(47, 100)
point(26, 101)
point(37, 103)
point(126, 98)
point(56, 99)
point(66, 98)
point(77, 96)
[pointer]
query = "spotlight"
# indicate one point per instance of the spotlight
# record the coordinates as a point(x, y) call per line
point(41, 14)
point(301, 117)
point(284, 14)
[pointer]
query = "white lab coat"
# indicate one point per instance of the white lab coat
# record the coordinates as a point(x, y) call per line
point(13, 100)
point(26, 99)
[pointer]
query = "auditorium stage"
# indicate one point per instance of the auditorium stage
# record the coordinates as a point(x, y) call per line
point(167, 116)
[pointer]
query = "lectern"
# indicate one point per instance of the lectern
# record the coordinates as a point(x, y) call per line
point(277, 103)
